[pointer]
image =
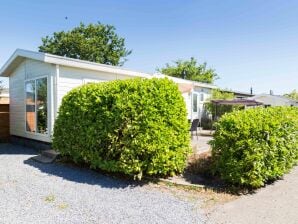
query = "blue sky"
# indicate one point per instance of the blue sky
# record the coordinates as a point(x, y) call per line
point(248, 43)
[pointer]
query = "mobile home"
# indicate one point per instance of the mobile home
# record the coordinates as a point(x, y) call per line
point(38, 81)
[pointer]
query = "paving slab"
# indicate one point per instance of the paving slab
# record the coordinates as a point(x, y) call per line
point(200, 144)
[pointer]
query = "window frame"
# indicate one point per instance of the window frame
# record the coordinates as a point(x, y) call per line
point(35, 98)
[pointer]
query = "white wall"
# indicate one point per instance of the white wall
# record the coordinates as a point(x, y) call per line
point(188, 102)
point(28, 69)
point(67, 79)
point(70, 78)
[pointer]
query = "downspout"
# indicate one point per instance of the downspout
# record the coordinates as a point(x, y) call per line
point(191, 105)
point(56, 91)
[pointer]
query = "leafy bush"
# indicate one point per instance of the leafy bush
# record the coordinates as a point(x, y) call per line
point(136, 126)
point(254, 146)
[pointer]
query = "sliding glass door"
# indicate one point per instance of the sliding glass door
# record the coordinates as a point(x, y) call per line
point(36, 106)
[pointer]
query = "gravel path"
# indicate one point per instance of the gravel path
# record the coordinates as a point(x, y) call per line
point(274, 204)
point(31, 192)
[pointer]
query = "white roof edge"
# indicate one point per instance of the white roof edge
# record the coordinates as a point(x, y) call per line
point(70, 62)
point(59, 60)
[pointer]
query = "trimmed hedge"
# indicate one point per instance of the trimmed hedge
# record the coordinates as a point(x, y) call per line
point(136, 127)
point(254, 146)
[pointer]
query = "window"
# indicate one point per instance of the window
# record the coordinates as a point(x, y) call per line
point(202, 96)
point(36, 106)
point(194, 102)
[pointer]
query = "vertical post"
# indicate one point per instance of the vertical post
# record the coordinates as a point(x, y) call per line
point(191, 106)
point(215, 113)
point(54, 96)
point(52, 103)
point(56, 89)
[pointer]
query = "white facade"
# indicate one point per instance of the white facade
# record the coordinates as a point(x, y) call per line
point(28, 70)
point(195, 95)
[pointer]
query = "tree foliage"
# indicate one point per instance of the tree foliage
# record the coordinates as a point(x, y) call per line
point(292, 95)
point(191, 69)
point(218, 94)
point(94, 42)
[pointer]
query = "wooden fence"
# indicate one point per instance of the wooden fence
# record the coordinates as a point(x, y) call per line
point(4, 122)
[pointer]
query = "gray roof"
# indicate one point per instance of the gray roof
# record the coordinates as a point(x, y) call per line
point(274, 100)
point(238, 93)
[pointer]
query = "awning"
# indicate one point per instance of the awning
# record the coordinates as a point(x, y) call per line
point(244, 102)
point(185, 87)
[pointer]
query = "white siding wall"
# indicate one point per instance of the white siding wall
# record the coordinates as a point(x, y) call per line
point(67, 79)
point(188, 103)
point(28, 69)
point(70, 78)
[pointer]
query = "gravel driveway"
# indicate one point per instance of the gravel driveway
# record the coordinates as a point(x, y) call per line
point(275, 204)
point(31, 192)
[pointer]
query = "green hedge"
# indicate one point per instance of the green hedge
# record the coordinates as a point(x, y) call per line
point(136, 127)
point(254, 146)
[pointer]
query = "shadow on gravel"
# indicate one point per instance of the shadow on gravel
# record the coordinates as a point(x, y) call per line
point(10, 149)
point(70, 171)
point(83, 175)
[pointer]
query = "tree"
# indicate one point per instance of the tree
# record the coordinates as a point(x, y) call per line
point(292, 95)
point(191, 70)
point(94, 42)
point(218, 94)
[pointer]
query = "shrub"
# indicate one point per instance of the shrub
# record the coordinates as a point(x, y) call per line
point(254, 146)
point(136, 126)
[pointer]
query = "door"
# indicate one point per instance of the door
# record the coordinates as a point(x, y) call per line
point(195, 105)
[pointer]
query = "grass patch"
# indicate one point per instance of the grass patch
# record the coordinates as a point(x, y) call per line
point(63, 206)
point(50, 198)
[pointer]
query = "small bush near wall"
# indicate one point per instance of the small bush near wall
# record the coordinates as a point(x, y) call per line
point(136, 126)
point(254, 146)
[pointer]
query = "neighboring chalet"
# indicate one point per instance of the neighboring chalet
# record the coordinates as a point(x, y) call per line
point(274, 100)
point(239, 95)
point(38, 82)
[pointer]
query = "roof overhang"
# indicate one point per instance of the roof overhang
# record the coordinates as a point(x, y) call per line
point(16, 58)
point(185, 88)
point(244, 102)
point(19, 55)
